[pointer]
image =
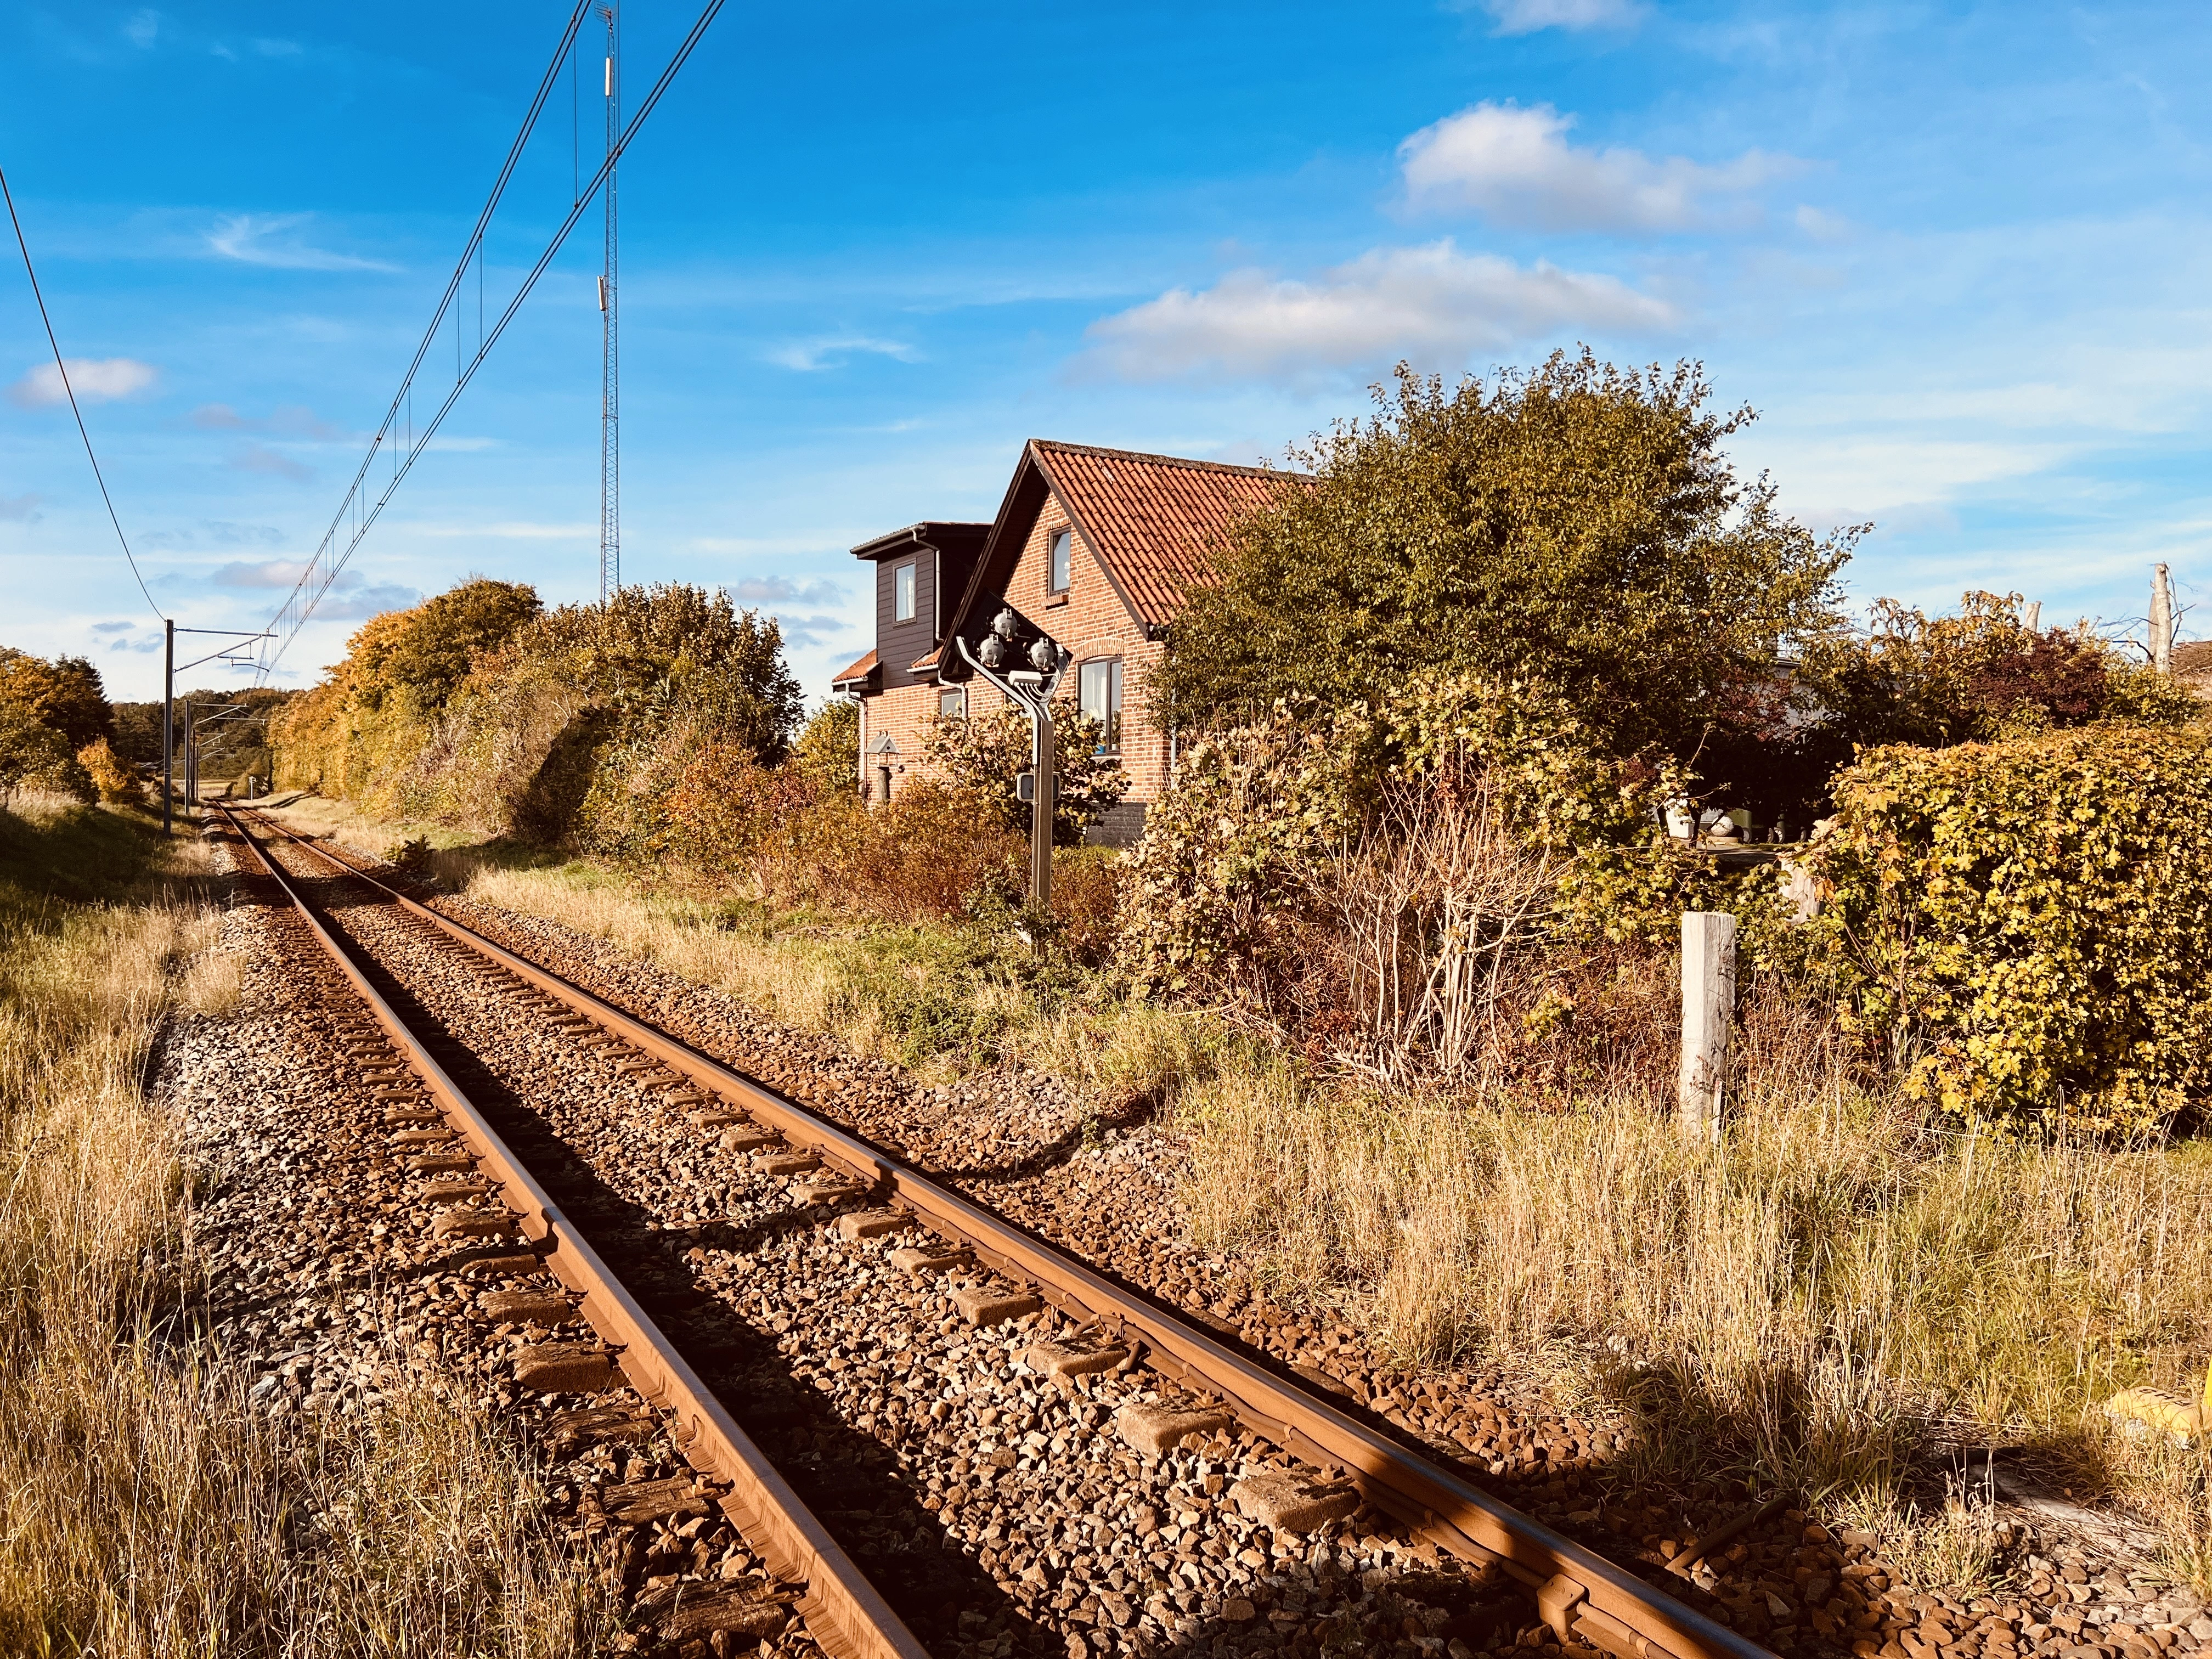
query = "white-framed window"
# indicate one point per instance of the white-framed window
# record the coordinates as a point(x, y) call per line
point(1098, 691)
point(1062, 551)
point(951, 702)
point(902, 594)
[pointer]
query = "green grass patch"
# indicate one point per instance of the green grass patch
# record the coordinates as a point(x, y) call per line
point(84, 854)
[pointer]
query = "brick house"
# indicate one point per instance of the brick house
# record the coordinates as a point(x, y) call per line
point(1097, 547)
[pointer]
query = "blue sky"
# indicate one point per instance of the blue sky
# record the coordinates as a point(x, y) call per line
point(1957, 258)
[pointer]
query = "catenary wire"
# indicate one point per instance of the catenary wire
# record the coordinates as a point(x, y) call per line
point(308, 588)
point(293, 608)
point(62, 368)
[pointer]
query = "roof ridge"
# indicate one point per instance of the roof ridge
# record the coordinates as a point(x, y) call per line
point(1063, 445)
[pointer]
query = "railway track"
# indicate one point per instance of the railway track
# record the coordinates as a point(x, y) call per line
point(1108, 1385)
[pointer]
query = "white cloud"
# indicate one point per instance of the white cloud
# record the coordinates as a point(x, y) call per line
point(1432, 305)
point(808, 356)
point(265, 573)
point(1823, 226)
point(259, 458)
point(97, 380)
point(781, 590)
point(256, 239)
point(20, 509)
point(803, 632)
point(140, 28)
point(1515, 166)
point(286, 420)
point(364, 603)
point(1526, 16)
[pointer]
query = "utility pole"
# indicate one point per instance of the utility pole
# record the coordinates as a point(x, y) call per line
point(168, 717)
point(611, 342)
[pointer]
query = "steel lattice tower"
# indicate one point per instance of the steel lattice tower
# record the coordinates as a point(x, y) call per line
point(611, 344)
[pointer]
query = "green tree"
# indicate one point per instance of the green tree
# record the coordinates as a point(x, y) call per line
point(65, 694)
point(1976, 676)
point(828, 752)
point(36, 756)
point(137, 731)
point(675, 652)
point(986, 753)
point(429, 649)
point(1577, 524)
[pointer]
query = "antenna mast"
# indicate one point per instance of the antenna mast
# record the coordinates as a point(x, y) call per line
point(610, 347)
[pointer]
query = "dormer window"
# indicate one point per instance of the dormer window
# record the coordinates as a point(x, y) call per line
point(1063, 560)
point(902, 594)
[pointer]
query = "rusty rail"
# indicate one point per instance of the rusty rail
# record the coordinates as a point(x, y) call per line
point(848, 1616)
point(1577, 1590)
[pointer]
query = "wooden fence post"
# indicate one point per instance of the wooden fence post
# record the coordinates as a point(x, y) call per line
point(1708, 1011)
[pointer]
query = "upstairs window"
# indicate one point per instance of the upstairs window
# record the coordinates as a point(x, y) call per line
point(902, 594)
point(951, 702)
point(1063, 560)
point(1099, 694)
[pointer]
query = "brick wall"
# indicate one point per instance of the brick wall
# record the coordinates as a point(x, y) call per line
point(904, 714)
point(1088, 619)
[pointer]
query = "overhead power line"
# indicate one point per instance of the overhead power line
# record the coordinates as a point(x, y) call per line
point(62, 369)
point(399, 435)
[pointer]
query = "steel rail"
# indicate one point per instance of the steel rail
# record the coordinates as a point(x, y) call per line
point(1578, 1590)
point(846, 1614)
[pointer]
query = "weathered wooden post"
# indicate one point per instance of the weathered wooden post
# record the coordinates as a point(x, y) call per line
point(2161, 620)
point(1708, 1011)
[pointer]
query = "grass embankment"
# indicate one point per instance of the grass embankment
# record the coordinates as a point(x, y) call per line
point(144, 1510)
point(1826, 1301)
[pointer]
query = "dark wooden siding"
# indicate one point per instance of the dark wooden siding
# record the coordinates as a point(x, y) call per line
point(900, 644)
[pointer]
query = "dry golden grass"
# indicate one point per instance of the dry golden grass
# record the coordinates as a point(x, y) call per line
point(1818, 1300)
point(144, 1510)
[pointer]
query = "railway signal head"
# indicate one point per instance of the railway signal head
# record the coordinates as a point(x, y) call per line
point(1010, 649)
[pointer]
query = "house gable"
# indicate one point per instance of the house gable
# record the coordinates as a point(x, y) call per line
point(1151, 523)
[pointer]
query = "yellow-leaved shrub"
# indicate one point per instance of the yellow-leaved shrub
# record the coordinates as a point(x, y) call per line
point(2028, 922)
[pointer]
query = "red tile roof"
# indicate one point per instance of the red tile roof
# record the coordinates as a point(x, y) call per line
point(859, 671)
point(1154, 520)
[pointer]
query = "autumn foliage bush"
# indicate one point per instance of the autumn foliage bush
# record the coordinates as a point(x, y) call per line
point(1452, 882)
point(2026, 922)
point(116, 783)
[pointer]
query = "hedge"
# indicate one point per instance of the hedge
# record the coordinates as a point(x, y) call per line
point(2031, 921)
